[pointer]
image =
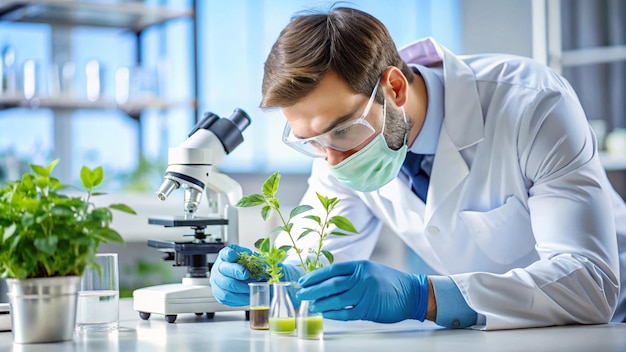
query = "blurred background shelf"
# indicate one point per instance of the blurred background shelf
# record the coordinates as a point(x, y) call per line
point(134, 16)
point(132, 108)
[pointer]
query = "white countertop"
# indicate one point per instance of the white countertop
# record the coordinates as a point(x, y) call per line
point(229, 331)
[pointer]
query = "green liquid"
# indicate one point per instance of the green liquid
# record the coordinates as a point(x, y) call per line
point(311, 327)
point(282, 325)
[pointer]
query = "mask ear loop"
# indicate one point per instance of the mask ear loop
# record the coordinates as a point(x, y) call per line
point(382, 130)
point(406, 125)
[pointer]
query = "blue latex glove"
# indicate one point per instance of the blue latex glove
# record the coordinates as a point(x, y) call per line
point(365, 290)
point(229, 280)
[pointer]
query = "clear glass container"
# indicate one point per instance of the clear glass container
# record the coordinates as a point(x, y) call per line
point(282, 320)
point(259, 305)
point(309, 325)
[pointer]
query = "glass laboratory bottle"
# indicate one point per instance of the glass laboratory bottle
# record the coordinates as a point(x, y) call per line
point(282, 319)
point(309, 325)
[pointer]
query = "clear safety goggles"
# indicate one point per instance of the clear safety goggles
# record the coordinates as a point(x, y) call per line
point(341, 138)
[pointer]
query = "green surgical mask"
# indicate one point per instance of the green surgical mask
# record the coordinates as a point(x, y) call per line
point(373, 166)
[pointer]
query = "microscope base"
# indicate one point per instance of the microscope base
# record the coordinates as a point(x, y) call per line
point(173, 299)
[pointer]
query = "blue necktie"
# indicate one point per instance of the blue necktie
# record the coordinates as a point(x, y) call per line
point(419, 178)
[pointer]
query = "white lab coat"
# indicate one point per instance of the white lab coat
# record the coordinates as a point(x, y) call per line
point(520, 212)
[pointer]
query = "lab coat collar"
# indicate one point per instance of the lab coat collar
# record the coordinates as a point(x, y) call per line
point(459, 82)
point(426, 141)
point(462, 124)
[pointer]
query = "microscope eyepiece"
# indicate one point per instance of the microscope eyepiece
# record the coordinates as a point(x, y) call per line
point(226, 129)
point(240, 119)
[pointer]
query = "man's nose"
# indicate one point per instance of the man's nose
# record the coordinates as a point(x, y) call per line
point(334, 157)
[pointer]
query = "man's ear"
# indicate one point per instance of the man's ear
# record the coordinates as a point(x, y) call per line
point(395, 85)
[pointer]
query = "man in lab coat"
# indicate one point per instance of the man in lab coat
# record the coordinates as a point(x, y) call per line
point(513, 209)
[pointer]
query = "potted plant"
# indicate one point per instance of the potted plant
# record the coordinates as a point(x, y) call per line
point(267, 261)
point(47, 238)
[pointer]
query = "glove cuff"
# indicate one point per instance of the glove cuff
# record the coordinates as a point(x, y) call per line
point(291, 272)
point(421, 289)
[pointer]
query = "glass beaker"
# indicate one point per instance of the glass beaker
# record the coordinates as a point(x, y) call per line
point(98, 297)
point(282, 320)
point(259, 305)
point(310, 325)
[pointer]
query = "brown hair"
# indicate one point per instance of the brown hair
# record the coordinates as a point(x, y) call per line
point(351, 43)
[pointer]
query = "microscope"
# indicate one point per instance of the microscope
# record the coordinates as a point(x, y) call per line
point(193, 166)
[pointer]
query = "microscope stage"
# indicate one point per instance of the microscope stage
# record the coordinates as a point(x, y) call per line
point(178, 221)
point(172, 299)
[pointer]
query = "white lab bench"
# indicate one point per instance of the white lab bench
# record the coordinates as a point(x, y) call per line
point(229, 331)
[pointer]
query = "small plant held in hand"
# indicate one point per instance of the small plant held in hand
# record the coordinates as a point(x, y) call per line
point(269, 257)
point(44, 233)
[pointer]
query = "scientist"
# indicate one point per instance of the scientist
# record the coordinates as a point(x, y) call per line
point(484, 165)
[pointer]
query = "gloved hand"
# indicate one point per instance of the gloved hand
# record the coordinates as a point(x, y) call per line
point(365, 290)
point(229, 280)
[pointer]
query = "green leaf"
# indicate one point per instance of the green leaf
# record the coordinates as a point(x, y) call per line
point(27, 220)
point(40, 170)
point(270, 186)
point(258, 243)
point(15, 243)
point(265, 212)
point(343, 223)
point(62, 210)
point(305, 232)
point(47, 245)
point(251, 200)
point(285, 248)
point(97, 175)
point(299, 210)
point(323, 200)
point(337, 233)
point(123, 207)
point(85, 177)
point(102, 215)
point(315, 218)
point(51, 166)
point(265, 245)
point(9, 231)
point(310, 265)
point(277, 229)
point(42, 182)
point(328, 256)
point(108, 235)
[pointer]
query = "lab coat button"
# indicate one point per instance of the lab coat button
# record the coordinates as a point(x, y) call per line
point(433, 230)
point(455, 324)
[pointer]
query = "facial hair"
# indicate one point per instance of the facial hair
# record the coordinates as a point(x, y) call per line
point(395, 127)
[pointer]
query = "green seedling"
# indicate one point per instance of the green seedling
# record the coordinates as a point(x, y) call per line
point(269, 256)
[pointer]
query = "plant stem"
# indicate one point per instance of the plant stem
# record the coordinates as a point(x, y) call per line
point(323, 227)
point(295, 247)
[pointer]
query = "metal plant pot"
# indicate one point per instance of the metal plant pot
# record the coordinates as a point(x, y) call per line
point(43, 309)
